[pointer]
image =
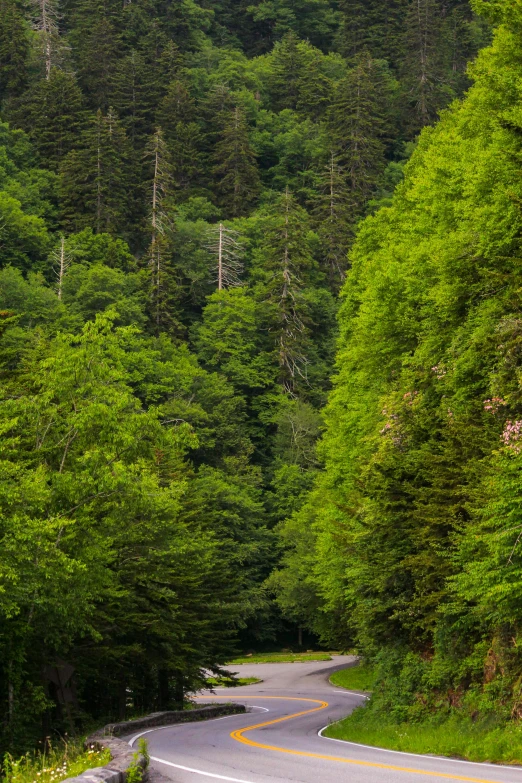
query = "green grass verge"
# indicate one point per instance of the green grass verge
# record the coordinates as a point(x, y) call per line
point(231, 682)
point(281, 658)
point(64, 761)
point(356, 678)
point(456, 736)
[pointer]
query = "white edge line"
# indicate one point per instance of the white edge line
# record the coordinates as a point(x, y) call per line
point(417, 755)
point(199, 771)
point(188, 723)
point(341, 690)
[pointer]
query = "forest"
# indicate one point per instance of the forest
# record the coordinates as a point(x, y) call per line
point(259, 348)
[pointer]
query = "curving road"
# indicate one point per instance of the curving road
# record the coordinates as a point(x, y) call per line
point(278, 740)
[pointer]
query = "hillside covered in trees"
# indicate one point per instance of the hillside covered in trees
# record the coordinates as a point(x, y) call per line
point(185, 188)
point(412, 536)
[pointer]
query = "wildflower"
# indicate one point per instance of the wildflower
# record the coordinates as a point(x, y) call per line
point(493, 404)
point(512, 435)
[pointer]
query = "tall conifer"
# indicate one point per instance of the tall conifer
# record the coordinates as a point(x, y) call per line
point(177, 116)
point(287, 266)
point(162, 286)
point(14, 50)
point(52, 115)
point(94, 178)
point(235, 168)
point(357, 126)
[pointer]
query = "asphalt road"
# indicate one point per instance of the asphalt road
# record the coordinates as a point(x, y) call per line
point(278, 741)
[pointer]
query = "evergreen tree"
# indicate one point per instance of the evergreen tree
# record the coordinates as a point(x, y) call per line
point(177, 116)
point(287, 70)
point(334, 216)
point(162, 285)
point(52, 114)
point(287, 264)
point(14, 50)
point(235, 168)
point(356, 122)
point(314, 20)
point(94, 178)
point(96, 45)
point(134, 95)
point(423, 71)
point(375, 26)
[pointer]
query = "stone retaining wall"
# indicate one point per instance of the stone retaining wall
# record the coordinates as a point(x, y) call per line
point(123, 756)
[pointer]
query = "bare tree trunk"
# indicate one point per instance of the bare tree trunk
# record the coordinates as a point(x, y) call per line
point(98, 184)
point(10, 702)
point(61, 270)
point(220, 258)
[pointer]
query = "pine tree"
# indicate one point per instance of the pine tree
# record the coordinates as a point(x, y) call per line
point(315, 89)
point(314, 20)
point(177, 116)
point(162, 283)
point(422, 67)
point(334, 218)
point(96, 44)
point(134, 95)
point(375, 26)
point(287, 265)
point(14, 50)
point(52, 114)
point(94, 178)
point(287, 70)
point(356, 122)
point(235, 168)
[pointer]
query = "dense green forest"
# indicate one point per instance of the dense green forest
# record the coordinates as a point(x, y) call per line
point(185, 189)
point(412, 536)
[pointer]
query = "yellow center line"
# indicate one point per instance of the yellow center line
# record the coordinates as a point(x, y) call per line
point(238, 735)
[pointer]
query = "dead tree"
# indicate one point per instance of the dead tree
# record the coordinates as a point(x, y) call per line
point(62, 261)
point(227, 249)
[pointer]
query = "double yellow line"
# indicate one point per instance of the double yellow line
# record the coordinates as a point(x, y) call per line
point(238, 735)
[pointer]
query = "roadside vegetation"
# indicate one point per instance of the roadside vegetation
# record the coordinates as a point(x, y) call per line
point(231, 682)
point(289, 657)
point(356, 678)
point(66, 760)
point(455, 732)
point(454, 735)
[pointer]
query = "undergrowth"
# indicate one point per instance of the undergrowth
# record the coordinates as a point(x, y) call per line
point(454, 735)
point(65, 760)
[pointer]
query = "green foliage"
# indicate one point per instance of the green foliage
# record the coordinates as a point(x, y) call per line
point(66, 759)
point(284, 657)
point(415, 523)
point(357, 678)
point(235, 167)
point(94, 178)
point(454, 736)
point(160, 483)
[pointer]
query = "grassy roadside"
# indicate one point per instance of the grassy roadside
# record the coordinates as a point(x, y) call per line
point(66, 760)
point(455, 734)
point(231, 682)
point(280, 658)
point(356, 678)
